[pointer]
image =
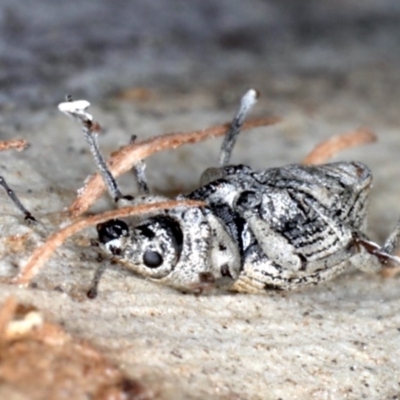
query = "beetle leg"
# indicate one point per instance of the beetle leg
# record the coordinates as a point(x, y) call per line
point(16, 201)
point(383, 253)
point(140, 173)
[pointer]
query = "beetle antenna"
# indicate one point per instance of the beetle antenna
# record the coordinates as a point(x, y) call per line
point(77, 110)
point(246, 103)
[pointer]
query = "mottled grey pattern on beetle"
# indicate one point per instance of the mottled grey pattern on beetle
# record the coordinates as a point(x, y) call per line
point(281, 228)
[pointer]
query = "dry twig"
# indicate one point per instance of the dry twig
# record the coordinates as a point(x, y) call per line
point(122, 160)
point(330, 147)
point(42, 253)
point(125, 158)
point(18, 144)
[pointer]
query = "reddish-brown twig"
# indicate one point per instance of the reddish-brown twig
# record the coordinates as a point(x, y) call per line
point(42, 253)
point(17, 144)
point(330, 147)
point(125, 158)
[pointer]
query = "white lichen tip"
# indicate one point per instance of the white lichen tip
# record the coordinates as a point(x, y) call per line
point(76, 109)
point(246, 104)
point(249, 99)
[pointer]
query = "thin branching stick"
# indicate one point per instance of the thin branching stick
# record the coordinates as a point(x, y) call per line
point(17, 144)
point(125, 158)
point(43, 253)
point(335, 144)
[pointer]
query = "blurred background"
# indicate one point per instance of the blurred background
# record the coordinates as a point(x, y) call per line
point(325, 66)
point(97, 48)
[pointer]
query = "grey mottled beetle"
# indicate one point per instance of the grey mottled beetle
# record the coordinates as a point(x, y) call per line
point(281, 228)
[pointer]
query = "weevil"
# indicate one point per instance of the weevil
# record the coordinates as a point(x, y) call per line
point(280, 228)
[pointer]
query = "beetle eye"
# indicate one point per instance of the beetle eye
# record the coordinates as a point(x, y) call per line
point(152, 259)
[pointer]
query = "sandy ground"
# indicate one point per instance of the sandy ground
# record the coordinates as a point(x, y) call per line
point(337, 340)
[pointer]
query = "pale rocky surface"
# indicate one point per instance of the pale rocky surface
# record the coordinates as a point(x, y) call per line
point(338, 340)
